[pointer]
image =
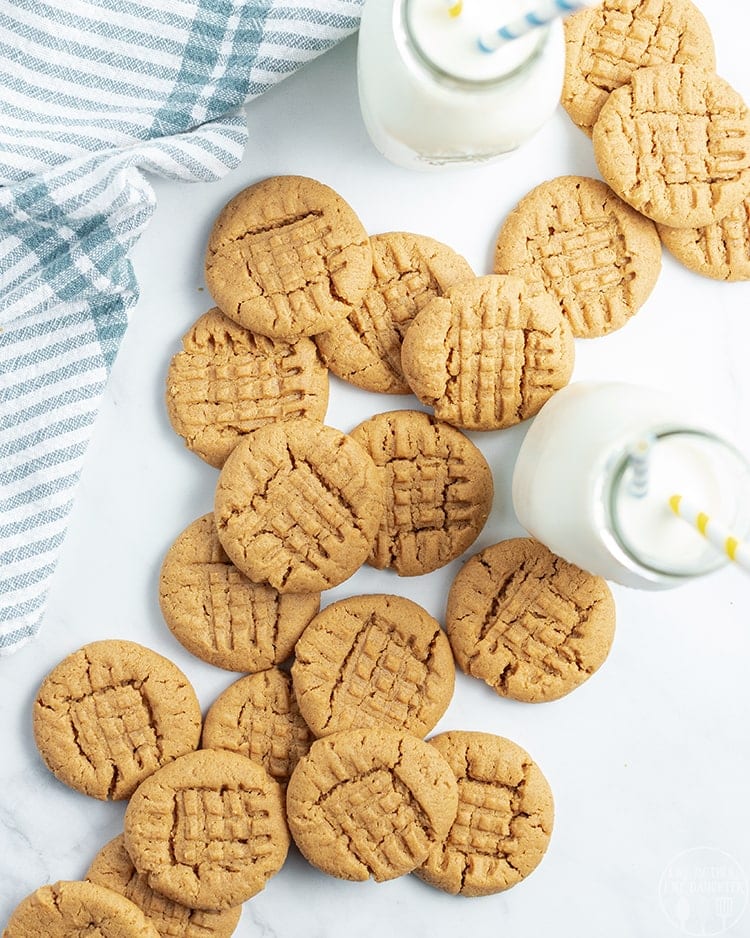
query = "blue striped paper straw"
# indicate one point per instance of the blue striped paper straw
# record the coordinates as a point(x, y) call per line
point(543, 14)
point(639, 459)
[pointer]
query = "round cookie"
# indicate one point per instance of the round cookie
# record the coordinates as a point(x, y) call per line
point(373, 660)
point(409, 270)
point(258, 717)
point(720, 251)
point(227, 382)
point(604, 46)
point(530, 624)
point(504, 819)
point(370, 802)
point(488, 354)
point(77, 908)
point(218, 614)
point(207, 830)
point(113, 868)
point(112, 713)
point(675, 144)
point(574, 238)
point(298, 506)
point(438, 490)
point(288, 257)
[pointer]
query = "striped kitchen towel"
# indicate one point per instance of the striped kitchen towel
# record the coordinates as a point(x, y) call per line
point(93, 95)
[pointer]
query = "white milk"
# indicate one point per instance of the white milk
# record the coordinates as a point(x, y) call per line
point(429, 96)
point(573, 484)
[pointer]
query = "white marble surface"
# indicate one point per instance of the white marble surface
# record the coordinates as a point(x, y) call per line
point(648, 759)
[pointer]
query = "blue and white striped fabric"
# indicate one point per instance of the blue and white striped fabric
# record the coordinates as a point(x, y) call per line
point(93, 93)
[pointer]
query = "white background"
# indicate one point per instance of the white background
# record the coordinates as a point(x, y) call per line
point(648, 759)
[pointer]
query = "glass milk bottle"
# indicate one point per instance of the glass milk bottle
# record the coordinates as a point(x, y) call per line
point(595, 473)
point(430, 96)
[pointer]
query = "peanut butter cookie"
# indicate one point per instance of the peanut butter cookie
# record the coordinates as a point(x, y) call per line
point(675, 144)
point(438, 490)
point(488, 354)
point(574, 238)
point(227, 382)
point(504, 819)
point(530, 624)
point(298, 506)
point(288, 257)
point(207, 830)
point(606, 44)
point(258, 717)
point(409, 270)
point(371, 660)
point(113, 868)
point(77, 908)
point(111, 714)
point(720, 251)
point(370, 802)
point(218, 614)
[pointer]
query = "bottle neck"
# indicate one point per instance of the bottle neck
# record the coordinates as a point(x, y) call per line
point(445, 49)
point(689, 462)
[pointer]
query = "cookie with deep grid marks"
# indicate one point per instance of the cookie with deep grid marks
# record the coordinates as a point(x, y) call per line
point(489, 353)
point(720, 251)
point(227, 382)
point(112, 713)
point(258, 717)
point(369, 803)
point(218, 614)
point(409, 270)
point(438, 490)
point(207, 830)
point(288, 257)
point(675, 144)
point(77, 908)
point(574, 238)
point(606, 44)
point(113, 868)
point(372, 660)
point(530, 624)
point(298, 506)
point(504, 820)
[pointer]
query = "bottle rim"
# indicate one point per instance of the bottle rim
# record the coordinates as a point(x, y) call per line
point(407, 42)
point(612, 527)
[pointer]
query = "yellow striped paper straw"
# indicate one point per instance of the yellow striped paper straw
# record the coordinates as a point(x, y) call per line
point(721, 538)
point(543, 13)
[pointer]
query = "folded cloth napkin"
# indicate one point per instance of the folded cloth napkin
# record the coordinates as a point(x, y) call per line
point(92, 94)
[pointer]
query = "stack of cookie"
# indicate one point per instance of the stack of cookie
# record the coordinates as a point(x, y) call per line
point(672, 141)
point(670, 137)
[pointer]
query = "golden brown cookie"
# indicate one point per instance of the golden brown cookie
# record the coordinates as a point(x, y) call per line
point(409, 270)
point(438, 490)
point(372, 660)
point(720, 251)
point(207, 830)
point(218, 614)
point(113, 868)
point(298, 506)
point(488, 354)
point(112, 713)
point(504, 820)
point(573, 237)
point(288, 257)
point(606, 44)
point(675, 144)
point(258, 717)
point(227, 382)
point(370, 802)
point(530, 624)
point(65, 909)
